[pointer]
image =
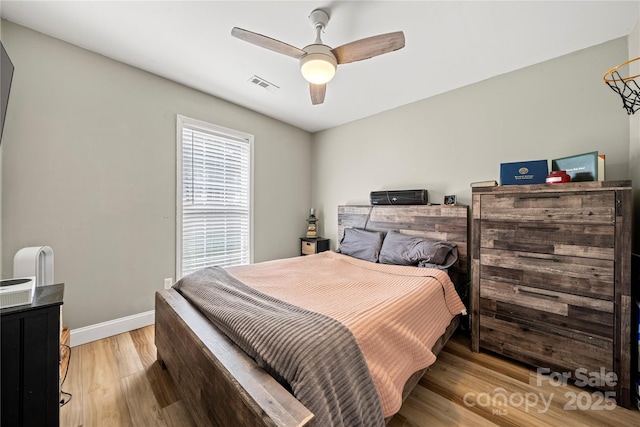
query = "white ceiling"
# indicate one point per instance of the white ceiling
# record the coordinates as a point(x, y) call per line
point(449, 44)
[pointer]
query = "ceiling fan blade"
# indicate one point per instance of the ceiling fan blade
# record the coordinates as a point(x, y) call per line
point(317, 93)
point(369, 47)
point(267, 42)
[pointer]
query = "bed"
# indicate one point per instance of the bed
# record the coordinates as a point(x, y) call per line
point(221, 385)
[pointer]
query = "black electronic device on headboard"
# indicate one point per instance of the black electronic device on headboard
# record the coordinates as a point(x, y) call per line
point(399, 197)
point(6, 76)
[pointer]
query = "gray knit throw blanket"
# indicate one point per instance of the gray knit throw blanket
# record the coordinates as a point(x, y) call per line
point(316, 357)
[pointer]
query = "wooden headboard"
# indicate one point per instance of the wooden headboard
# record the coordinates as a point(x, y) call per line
point(440, 222)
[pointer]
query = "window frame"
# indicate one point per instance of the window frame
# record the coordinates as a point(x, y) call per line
point(181, 123)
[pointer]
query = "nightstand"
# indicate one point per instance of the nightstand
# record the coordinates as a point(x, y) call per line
point(313, 245)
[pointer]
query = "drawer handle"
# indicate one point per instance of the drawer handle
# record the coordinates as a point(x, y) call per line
point(537, 227)
point(538, 258)
point(534, 293)
point(539, 196)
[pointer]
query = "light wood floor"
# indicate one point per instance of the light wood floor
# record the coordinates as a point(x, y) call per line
point(117, 382)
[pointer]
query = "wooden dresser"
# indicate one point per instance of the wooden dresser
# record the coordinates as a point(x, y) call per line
point(551, 279)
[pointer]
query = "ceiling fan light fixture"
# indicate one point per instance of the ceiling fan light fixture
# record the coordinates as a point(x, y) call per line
point(318, 62)
point(318, 66)
point(317, 70)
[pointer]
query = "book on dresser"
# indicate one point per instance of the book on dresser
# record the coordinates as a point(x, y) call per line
point(489, 183)
point(551, 280)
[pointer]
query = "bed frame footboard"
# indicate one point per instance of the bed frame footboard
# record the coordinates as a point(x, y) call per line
point(437, 347)
point(219, 384)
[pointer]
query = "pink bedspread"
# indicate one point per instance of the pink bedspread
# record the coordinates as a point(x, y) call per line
point(396, 313)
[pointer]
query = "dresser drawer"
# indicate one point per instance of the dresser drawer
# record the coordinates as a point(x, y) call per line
point(581, 240)
point(574, 207)
point(577, 314)
point(546, 347)
point(573, 275)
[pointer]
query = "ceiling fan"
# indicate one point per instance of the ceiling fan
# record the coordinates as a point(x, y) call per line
point(318, 61)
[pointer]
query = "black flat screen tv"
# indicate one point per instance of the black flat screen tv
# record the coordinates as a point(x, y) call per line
point(6, 75)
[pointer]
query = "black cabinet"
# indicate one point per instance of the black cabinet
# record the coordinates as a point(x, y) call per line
point(30, 358)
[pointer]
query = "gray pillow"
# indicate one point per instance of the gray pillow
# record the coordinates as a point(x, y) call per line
point(402, 249)
point(363, 244)
point(451, 259)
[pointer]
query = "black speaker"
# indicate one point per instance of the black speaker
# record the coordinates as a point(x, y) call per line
point(399, 197)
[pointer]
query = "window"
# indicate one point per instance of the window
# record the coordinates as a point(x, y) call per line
point(214, 196)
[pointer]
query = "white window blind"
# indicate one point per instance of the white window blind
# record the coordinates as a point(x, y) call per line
point(214, 196)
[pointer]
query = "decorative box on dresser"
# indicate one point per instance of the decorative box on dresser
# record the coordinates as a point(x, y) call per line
point(551, 280)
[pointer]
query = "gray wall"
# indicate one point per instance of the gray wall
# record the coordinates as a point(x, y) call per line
point(88, 168)
point(1, 22)
point(554, 109)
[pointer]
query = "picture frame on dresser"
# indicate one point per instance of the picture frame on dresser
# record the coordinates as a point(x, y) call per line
point(551, 279)
point(450, 199)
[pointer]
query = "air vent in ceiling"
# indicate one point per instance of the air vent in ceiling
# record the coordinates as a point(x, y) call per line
point(259, 81)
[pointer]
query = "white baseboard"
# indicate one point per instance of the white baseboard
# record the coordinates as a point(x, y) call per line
point(111, 327)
